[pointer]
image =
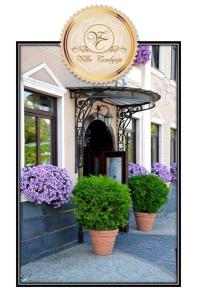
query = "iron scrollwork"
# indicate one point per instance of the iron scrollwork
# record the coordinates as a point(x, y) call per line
point(124, 116)
point(83, 108)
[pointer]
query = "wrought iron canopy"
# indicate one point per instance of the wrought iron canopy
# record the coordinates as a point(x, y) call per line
point(117, 96)
point(127, 100)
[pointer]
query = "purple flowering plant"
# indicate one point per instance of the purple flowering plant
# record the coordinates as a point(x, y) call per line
point(143, 54)
point(173, 170)
point(46, 184)
point(161, 171)
point(135, 170)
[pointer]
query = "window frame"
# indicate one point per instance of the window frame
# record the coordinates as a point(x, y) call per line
point(158, 142)
point(173, 63)
point(175, 145)
point(38, 114)
point(153, 65)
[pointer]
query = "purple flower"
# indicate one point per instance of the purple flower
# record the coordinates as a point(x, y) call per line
point(143, 54)
point(46, 184)
point(161, 171)
point(173, 170)
point(135, 170)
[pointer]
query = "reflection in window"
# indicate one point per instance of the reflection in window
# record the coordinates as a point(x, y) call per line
point(45, 141)
point(40, 129)
point(155, 57)
point(173, 145)
point(38, 101)
point(30, 141)
point(114, 168)
point(154, 143)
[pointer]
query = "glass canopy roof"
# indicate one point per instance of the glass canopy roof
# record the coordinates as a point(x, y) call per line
point(118, 96)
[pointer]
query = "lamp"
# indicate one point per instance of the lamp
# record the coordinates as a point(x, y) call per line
point(107, 117)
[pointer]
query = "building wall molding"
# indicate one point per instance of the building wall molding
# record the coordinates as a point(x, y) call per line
point(173, 122)
point(158, 73)
point(145, 121)
point(44, 66)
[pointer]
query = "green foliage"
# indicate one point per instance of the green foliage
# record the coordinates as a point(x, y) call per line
point(31, 143)
point(30, 153)
point(148, 193)
point(101, 203)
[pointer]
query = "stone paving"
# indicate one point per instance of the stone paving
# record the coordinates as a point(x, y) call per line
point(138, 257)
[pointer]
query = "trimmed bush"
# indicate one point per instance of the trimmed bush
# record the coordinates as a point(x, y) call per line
point(148, 193)
point(101, 203)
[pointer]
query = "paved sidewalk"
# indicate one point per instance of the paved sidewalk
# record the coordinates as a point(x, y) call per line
point(138, 257)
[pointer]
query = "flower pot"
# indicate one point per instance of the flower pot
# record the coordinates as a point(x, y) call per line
point(144, 221)
point(103, 241)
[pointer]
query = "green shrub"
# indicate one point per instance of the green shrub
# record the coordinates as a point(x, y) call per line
point(101, 203)
point(148, 193)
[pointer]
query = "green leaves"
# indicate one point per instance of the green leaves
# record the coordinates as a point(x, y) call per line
point(101, 203)
point(148, 193)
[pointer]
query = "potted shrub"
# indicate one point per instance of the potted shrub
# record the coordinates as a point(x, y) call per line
point(46, 184)
point(102, 206)
point(161, 171)
point(148, 194)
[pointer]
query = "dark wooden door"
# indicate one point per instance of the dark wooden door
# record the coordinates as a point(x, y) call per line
point(110, 163)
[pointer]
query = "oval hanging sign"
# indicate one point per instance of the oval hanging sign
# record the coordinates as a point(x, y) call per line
point(99, 44)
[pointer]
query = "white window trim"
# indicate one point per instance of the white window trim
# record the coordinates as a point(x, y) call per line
point(159, 72)
point(173, 125)
point(56, 91)
point(160, 123)
point(161, 58)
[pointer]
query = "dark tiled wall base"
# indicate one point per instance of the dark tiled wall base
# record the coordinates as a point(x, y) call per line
point(45, 230)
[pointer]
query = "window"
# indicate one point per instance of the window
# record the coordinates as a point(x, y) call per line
point(40, 128)
point(173, 145)
point(131, 137)
point(154, 143)
point(155, 57)
point(174, 62)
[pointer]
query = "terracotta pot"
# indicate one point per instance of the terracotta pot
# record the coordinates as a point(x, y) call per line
point(103, 241)
point(144, 221)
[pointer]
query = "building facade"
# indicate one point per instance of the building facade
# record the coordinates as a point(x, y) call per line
point(49, 135)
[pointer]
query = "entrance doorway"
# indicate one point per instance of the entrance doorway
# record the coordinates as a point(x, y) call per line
point(98, 140)
point(99, 155)
point(101, 159)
